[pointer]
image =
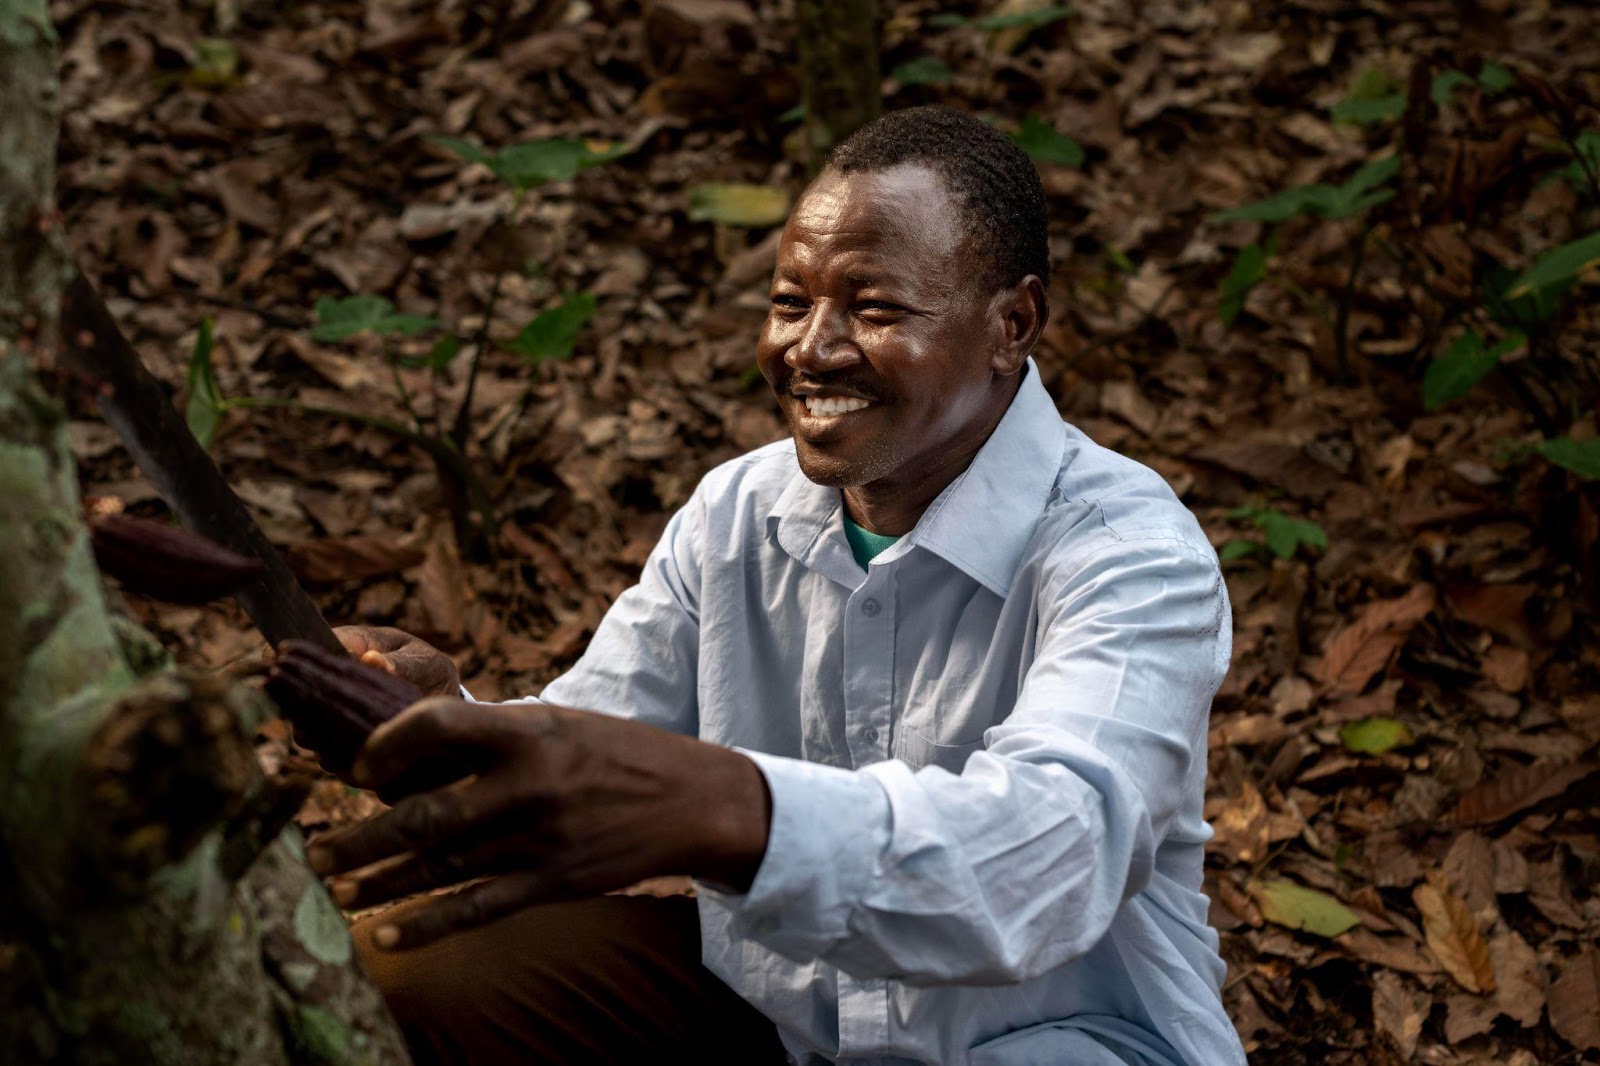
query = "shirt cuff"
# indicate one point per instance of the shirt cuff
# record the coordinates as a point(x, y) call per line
point(828, 828)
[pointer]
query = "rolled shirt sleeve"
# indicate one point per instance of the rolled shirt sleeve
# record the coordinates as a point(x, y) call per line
point(1019, 863)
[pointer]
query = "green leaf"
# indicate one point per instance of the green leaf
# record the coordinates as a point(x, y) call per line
point(1374, 736)
point(1236, 549)
point(204, 411)
point(1248, 270)
point(1044, 145)
point(1285, 205)
point(1372, 175)
point(216, 63)
point(1030, 19)
point(444, 350)
point(794, 114)
point(1495, 78)
point(1580, 457)
point(1370, 112)
point(945, 20)
point(529, 165)
point(1120, 260)
point(1297, 907)
point(1525, 314)
point(924, 70)
point(339, 320)
point(738, 204)
point(1461, 366)
point(1443, 87)
point(1283, 534)
point(1558, 265)
point(1585, 150)
point(465, 149)
point(552, 334)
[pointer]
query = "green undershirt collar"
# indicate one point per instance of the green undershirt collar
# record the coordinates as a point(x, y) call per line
point(865, 545)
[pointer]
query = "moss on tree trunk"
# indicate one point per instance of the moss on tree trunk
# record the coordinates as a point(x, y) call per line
point(148, 915)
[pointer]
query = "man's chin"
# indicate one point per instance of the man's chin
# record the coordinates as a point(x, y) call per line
point(834, 471)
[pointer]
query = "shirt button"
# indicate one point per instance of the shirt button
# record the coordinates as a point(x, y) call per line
point(870, 734)
point(870, 607)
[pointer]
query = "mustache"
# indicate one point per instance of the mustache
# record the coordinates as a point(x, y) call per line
point(854, 385)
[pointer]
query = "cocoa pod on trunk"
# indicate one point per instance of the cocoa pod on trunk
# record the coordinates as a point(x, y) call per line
point(165, 562)
point(333, 701)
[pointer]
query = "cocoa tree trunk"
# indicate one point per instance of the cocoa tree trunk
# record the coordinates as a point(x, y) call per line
point(839, 80)
point(154, 907)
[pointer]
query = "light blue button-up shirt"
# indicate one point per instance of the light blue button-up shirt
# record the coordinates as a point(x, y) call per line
point(986, 752)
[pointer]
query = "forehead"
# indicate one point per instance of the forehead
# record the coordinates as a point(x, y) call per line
point(902, 213)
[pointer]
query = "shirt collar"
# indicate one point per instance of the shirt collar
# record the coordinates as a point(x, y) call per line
point(983, 520)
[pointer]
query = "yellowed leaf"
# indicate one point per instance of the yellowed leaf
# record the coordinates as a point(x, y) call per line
point(1454, 938)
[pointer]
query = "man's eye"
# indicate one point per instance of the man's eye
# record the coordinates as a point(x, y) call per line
point(881, 307)
point(788, 302)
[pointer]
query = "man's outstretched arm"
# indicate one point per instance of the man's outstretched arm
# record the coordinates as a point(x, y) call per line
point(1018, 864)
point(559, 804)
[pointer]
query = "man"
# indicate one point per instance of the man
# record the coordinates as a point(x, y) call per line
point(949, 665)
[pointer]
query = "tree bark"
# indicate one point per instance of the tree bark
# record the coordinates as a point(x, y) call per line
point(839, 80)
point(157, 909)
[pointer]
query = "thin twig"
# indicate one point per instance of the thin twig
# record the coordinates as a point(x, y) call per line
point(1341, 326)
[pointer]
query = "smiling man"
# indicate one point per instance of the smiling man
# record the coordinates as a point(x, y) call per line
point(919, 696)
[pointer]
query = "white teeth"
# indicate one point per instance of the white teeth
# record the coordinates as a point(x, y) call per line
point(834, 405)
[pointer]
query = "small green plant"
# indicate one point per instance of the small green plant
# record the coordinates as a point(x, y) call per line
point(1044, 144)
point(1364, 190)
point(1279, 534)
point(550, 335)
point(923, 70)
point(1487, 319)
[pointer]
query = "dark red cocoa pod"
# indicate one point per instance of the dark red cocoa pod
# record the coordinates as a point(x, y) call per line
point(333, 701)
point(166, 562)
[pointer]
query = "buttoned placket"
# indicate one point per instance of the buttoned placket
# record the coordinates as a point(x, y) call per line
point(869, 644)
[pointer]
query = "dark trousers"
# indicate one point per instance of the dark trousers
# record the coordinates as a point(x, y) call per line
point(614, 979)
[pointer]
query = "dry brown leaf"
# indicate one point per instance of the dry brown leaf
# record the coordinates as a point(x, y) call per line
point(1389, 952)
point(1501, 609)
point(1242, 826)
point(1469, 868)
point(1517, 788)
point(1454, 938)
point(1575, 1001)
point(1506, 668)
point(441, 589)
point(1547, 890)
point(1398, 1010)
point(1519, 979)
point(334, 559)
point(1357, 652)
point(1468, 1016)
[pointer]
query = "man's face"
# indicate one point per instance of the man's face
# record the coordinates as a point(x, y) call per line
point(881, 339)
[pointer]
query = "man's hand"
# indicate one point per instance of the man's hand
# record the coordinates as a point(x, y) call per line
point(562, 804)
point(402, 654)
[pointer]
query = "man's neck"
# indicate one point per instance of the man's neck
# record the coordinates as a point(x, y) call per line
point(892, 509)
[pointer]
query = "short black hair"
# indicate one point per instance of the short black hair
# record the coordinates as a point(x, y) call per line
point(989, 176)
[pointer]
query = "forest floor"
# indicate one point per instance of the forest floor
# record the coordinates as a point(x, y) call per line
point(1410, 727)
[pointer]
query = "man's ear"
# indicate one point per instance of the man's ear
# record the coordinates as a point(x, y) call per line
point(1023, 309)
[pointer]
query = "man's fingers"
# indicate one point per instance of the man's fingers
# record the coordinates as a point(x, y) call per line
point(417, 823)
point(438, 730)
point(413, 873)
point(378, 659)
point(471, 907)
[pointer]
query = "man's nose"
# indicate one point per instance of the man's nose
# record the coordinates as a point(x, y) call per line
point(826, 344)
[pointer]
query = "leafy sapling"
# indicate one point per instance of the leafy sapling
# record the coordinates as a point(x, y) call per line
point(551, 334)
point(1280, 535)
